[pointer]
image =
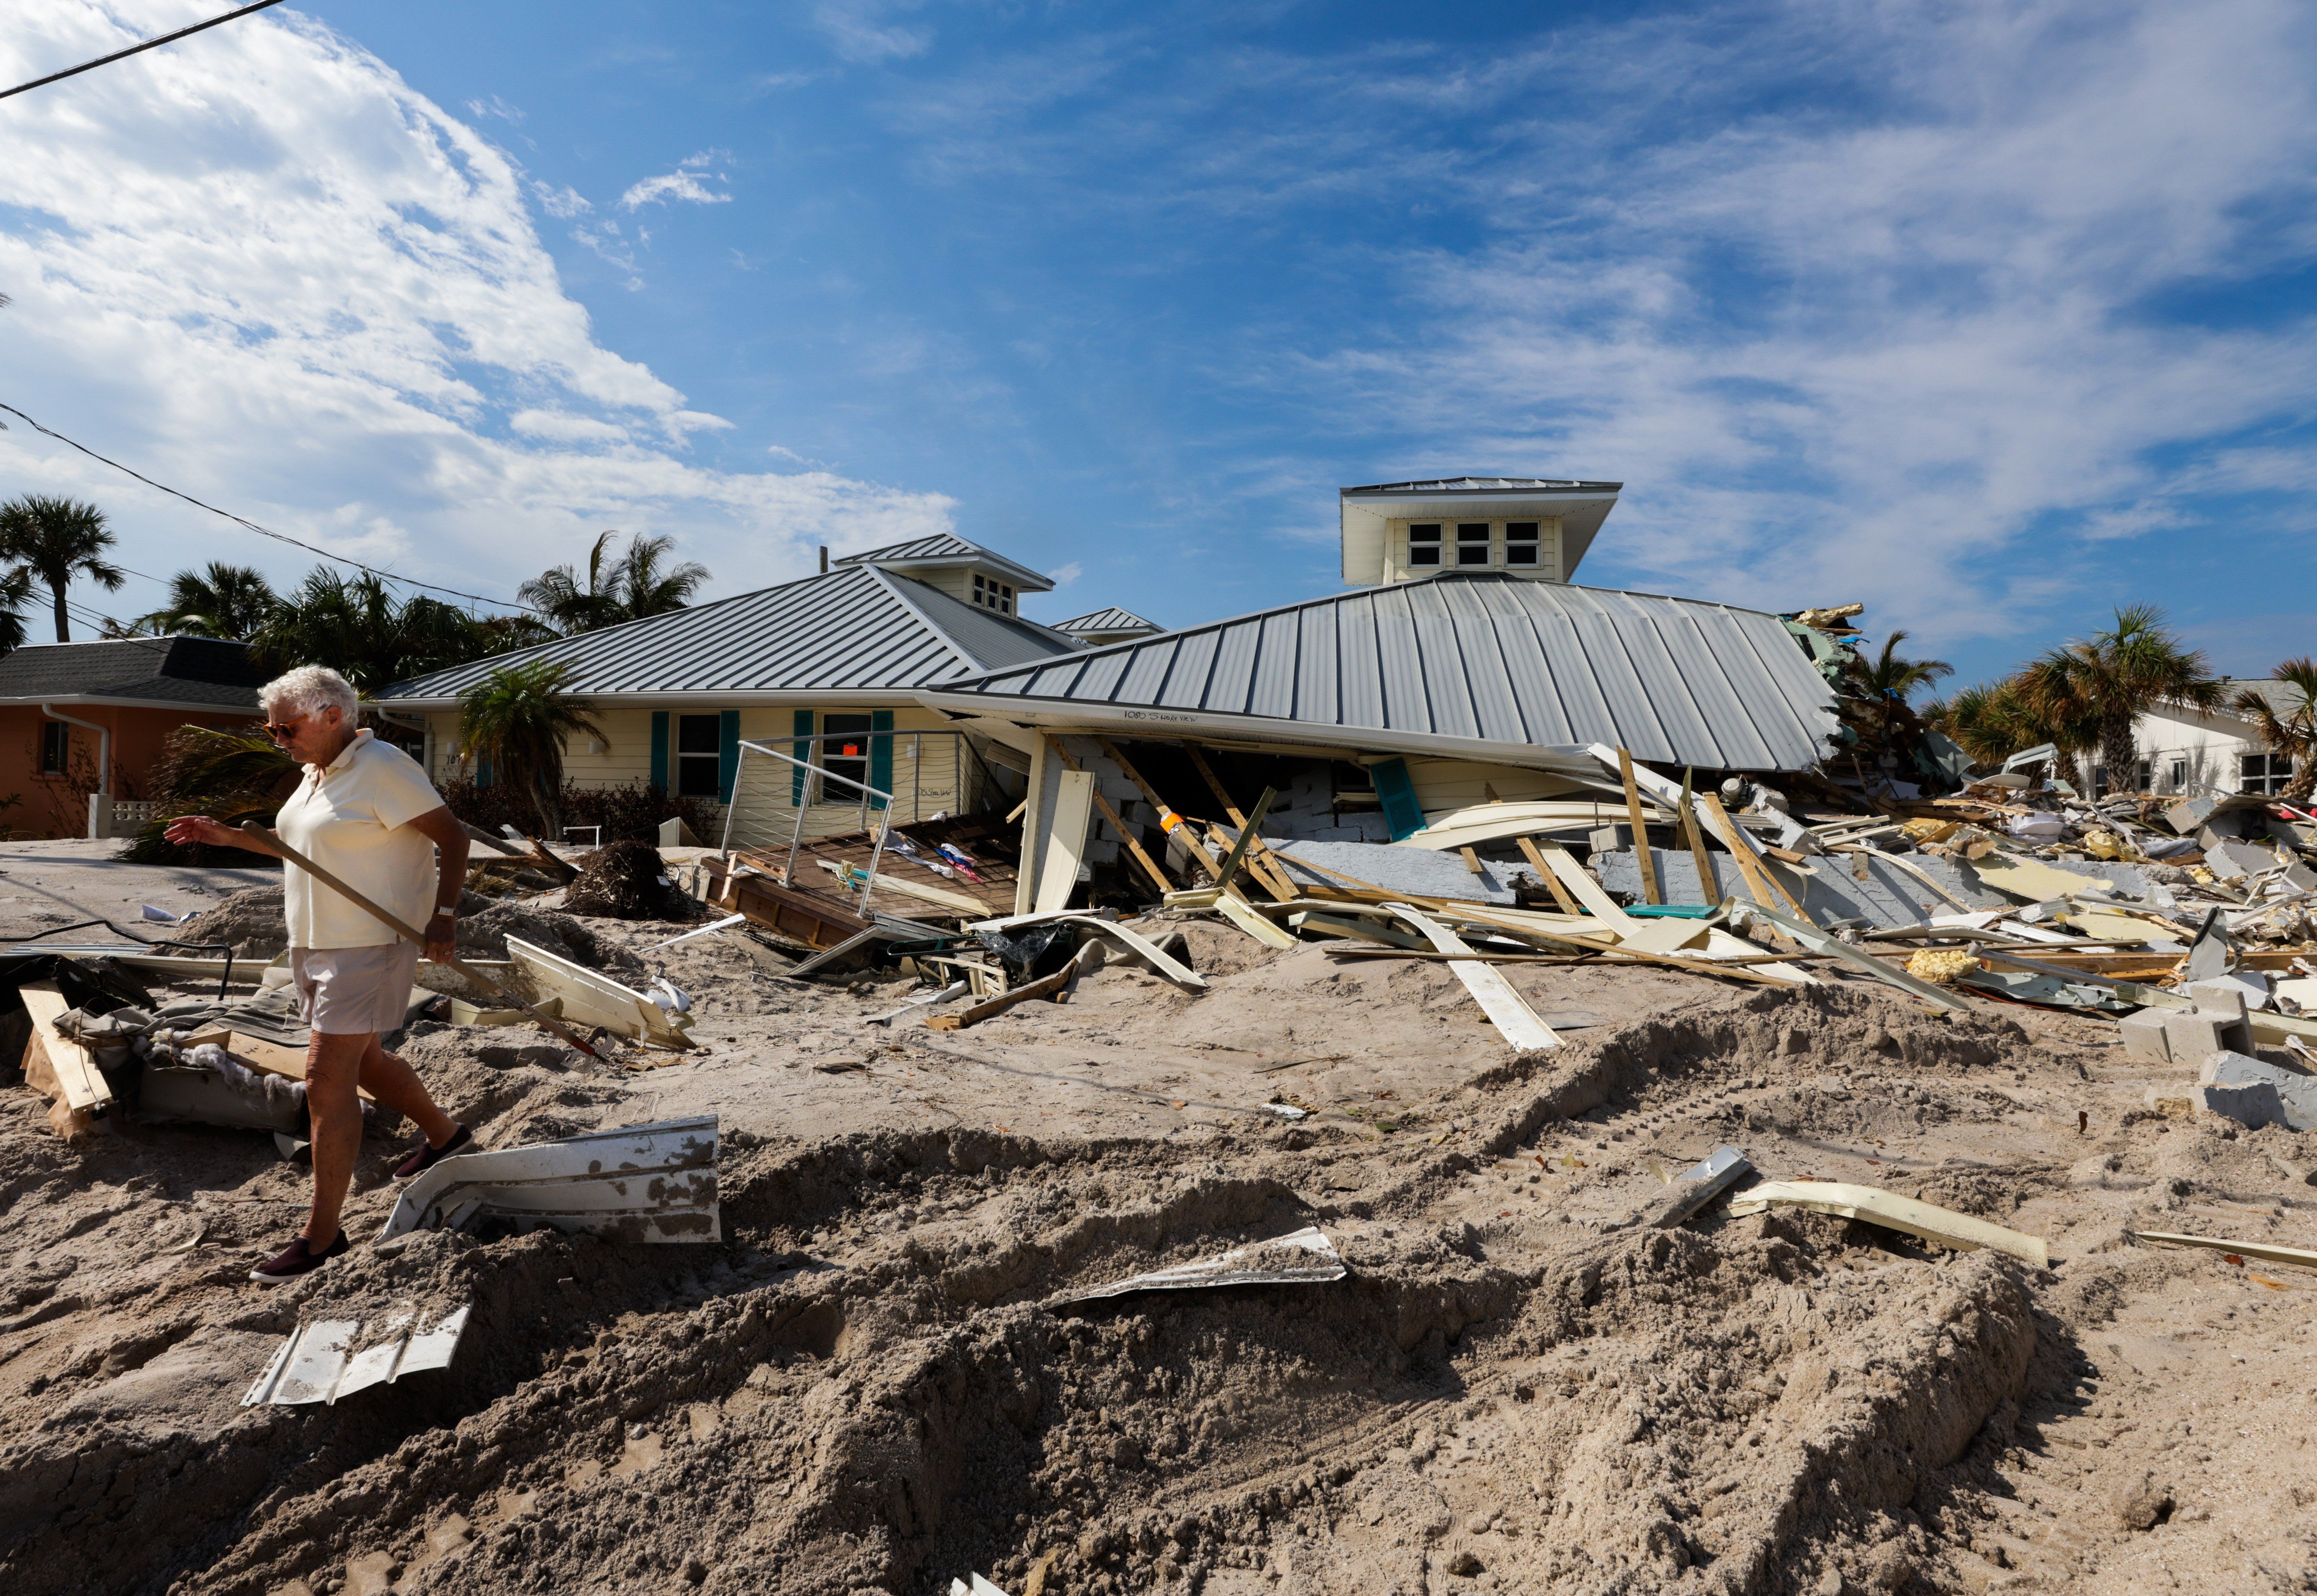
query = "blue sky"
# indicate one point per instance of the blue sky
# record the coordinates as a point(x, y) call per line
point(1991, 316)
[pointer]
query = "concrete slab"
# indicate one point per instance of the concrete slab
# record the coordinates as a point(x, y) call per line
point(2144, 1036)
point(2290, 1099)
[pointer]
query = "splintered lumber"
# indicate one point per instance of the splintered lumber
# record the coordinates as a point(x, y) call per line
point(889, 881)
point(1764, 885)
point(1544, 873)
point(2268, 1252)
point(1169, 822)
point(1695, 966)
point(1263, 861)
point(1247, 837)
point(1587, 892)
point(1044, 987)
point(1641, 855)
point(1709, 889)
point(1893, 1212)
point(80, 1085)
point(1246, 920)
point(1118, 825)
point(1514, 1021)
point(1817, 941)
point(1331, 925)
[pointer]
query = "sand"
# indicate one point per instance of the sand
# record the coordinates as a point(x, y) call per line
point(1517, 1387)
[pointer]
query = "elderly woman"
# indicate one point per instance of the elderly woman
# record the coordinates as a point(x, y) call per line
point(365, 813)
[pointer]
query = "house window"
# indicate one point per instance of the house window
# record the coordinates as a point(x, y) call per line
point(699, 756)
point(1471, 542)
point(1424, 543)
point(992, 595)
point(2180, 774)
point(2263, 773)
point(56, 747)
point(845, 752)
point(1521, 542)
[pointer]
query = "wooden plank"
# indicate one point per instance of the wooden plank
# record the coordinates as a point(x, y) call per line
point(1471, 861)
point(1650, 894)
point(1335, 925)
point(1117, 823)
point(1709, 888)
point(1047, 986)
point(1264, 863)
point(1893, 1212)
point(79, 1082)
point(1248, 835)
point(1507, 1009)
point(887, 880)
point(1169, 822)
point(1025, 882)
point(1246, 920)
point(1766, 890)
point(1587, 892)
point(1544, 873)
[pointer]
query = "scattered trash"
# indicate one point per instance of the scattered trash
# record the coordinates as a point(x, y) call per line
point(642, 1183)
point(333, 1358)
point(1304, 1258)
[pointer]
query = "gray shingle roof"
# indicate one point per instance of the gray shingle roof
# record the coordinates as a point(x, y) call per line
point(1460, 660)
point(855, 629)
point(170, 670)
point(943, 548)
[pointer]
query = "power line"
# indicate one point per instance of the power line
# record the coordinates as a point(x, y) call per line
point(135, 48)
point(280, 537)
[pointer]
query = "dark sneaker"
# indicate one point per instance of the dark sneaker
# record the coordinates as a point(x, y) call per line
point(424, 1158)
point(297, 1259)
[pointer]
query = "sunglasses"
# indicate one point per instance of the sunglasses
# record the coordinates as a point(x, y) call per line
point(282, 731)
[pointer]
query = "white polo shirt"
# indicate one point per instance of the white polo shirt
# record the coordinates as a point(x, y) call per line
point(352, 818)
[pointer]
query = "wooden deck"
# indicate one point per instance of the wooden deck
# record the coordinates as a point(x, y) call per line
point(818, 906)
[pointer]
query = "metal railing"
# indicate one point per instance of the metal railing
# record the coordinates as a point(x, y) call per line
point(809, 774)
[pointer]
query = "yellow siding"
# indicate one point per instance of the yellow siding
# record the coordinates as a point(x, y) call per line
point(1455, 784)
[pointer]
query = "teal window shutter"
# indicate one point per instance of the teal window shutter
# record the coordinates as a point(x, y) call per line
point(482, 773)
point(1401, 811)
point(802, 751)
point(659, 750)
point(880, 754)
point(728, 753)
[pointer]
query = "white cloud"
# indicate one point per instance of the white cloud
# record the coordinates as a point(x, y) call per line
point(494, 107)
point(858, 32)
point(268, 273)
point(682, 184)
point(1064, 575)
point(563, 203)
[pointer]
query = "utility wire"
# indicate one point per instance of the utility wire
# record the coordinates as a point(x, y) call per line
point(135, 48)
point(280, 537)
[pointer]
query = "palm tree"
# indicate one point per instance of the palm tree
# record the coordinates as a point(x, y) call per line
point(628, 587)
point(15, 589)
point(517, 720)
point(228, 601)
point(2294, 732)
point(356, 626)
point(56, 540)
point(2114, 676)
point(1992, 721)
point(1893, 676)
point(645, 589)
point(558, 595)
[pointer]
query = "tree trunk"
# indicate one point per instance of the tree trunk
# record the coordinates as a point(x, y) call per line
point(63, 628)
point(2304, 777)
point(2121, 755)
point(2066, 770)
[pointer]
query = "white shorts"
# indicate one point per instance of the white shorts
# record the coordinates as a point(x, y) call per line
point(354, 991)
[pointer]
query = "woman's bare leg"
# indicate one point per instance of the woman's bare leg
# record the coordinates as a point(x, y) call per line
point(333, 1067)
point(397, 1085)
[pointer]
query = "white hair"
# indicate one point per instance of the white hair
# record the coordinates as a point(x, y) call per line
point(309, 690)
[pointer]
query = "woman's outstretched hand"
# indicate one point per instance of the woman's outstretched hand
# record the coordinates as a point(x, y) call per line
point(190, 828)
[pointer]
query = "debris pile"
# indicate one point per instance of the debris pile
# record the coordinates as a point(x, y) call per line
point(627, 880)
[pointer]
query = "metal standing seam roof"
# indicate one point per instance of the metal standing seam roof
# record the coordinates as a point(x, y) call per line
point(946, 548)
point(1112, 619)
point(854, 629)
point(1463, 660)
